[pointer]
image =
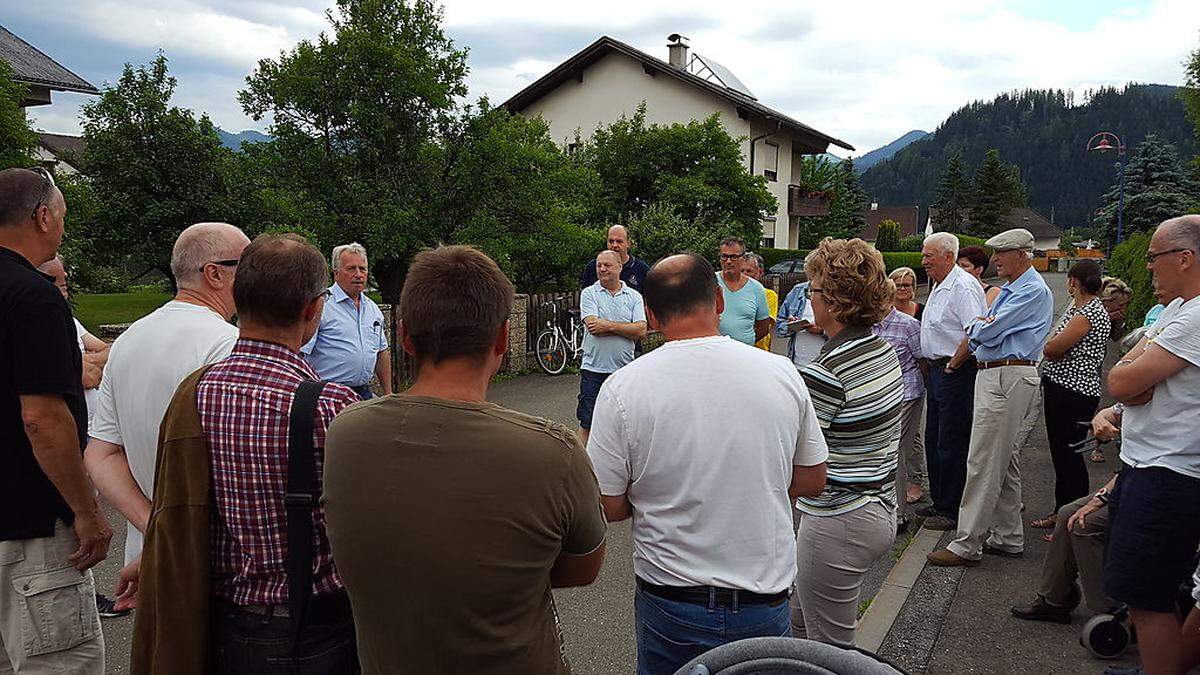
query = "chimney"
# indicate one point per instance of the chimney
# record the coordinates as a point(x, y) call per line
point(677, 51)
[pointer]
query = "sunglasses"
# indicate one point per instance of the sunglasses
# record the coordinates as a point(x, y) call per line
point(46, 189)
point(232, 262)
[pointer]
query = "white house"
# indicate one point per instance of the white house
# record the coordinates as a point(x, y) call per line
point(38, 72)
point(609, 78)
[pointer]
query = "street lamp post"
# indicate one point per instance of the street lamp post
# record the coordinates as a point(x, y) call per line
point(1103, 142)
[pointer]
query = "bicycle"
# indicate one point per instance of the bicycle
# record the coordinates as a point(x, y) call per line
point(554, 346)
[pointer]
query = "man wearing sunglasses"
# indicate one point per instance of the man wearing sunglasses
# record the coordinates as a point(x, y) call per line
point(746, 317)
point(146, 364)
point(51, 529)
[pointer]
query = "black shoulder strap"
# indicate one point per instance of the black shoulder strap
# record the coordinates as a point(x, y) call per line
point(300, 501)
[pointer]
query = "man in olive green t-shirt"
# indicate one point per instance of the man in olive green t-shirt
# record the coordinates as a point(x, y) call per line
point(452, 518)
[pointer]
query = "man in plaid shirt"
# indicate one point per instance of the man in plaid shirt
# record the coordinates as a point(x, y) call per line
point(244, 404)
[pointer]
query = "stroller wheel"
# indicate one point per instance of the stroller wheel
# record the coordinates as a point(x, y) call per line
point(1105, 636)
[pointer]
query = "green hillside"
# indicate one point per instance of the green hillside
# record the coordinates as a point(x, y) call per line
point(1045, 133)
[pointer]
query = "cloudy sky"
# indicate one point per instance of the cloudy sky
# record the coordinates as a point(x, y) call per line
point(865, 71)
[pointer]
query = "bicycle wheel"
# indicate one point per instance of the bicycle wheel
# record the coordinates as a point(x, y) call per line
point(551, 352)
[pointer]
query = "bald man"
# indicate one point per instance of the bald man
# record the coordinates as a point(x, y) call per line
point(150, 359)
point(633, 270)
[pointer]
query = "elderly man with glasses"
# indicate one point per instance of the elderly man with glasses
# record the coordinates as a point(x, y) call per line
point(149, 360)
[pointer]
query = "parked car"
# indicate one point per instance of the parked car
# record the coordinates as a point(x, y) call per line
point(791, 266)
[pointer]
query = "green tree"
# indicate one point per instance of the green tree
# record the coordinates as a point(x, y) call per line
point(694, 168)
point(997, 190)
point(17, 139)
point(845, 218)
point(1156, 188)
point(1190, 95)
point(888, 238)
point(953, 200)
point(365, 123)
point(154, 167)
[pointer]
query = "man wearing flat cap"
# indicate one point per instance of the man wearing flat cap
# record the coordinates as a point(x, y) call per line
point(1007, 343)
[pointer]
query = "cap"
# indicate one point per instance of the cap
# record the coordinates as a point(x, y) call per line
point(1011, 240)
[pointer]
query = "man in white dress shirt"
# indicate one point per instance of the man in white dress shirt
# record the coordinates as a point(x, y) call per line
point(955, 302)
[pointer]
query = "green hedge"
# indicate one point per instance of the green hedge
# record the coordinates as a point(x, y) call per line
point(1128, 262)
point(916, 241)
point(890, 259)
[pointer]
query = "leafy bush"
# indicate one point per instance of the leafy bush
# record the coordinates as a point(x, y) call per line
point(1128, 262)
point(916, 241)
point(659, 231)
point(888, 238)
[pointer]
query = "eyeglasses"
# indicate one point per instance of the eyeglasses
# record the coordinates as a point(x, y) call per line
point(808, 292)
point(232, 262)
point(732, 256)
point(904, 285)
point(325, 293)
point(1151, 257)
point(46, 188)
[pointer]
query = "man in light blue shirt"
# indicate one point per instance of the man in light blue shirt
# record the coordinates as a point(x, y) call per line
point(615, 318)
point(351, 343)
point(747, 317)
point(1007, 344)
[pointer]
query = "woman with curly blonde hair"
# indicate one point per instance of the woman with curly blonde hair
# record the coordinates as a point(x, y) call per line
point(856, 388)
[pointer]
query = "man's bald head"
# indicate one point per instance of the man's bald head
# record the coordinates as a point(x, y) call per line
point(1181, 232)
point(680, 285)
point(611, 255)
point(618, 241)
point(201, 244)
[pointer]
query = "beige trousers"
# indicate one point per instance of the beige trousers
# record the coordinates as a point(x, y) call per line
point(48, 618)
point(1077, 554)
point(833, 553)
point(910, 461)
point(1007, 401)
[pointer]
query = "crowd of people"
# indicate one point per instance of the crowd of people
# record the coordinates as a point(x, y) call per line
point(434, 524)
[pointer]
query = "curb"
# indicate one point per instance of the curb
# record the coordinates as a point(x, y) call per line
point(877, 621)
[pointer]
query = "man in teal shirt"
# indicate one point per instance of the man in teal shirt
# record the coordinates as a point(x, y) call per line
point(746, 318)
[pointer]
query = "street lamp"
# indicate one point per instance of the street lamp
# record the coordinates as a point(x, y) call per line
point(1103, 142)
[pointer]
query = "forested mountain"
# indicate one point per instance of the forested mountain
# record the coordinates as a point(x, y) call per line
point(1044, 133)
point(881, 154)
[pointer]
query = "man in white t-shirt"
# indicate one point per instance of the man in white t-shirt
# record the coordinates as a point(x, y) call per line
point(1155, 506)
point(709, 492)
point(93, 349)
point(149, 360)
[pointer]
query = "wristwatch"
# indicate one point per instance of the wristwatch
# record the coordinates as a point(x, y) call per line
point(1102, 495)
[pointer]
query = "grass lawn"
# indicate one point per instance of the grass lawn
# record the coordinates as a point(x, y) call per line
point(94, 310)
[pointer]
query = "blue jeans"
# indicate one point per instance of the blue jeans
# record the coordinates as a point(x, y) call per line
point(364, 392)
point(951, 404)
point(671, 633)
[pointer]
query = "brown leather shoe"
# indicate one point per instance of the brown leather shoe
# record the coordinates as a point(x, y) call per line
point(947, 558)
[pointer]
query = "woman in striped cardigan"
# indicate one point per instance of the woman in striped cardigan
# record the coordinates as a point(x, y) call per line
point(857, 390)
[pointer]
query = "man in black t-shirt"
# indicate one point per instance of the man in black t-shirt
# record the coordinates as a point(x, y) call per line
point(633, 270)
point(51, 528)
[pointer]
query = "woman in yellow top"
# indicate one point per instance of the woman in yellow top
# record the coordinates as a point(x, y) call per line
point(754, 267)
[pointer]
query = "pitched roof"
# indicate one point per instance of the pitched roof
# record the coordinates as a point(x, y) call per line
point(62, 146)
point(906, 216)
point(573, 67)
point(31, 66)
point(1031, 220)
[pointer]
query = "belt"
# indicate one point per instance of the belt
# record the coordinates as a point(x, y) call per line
point(703, 595)
point(984, 365)
point(320, 608)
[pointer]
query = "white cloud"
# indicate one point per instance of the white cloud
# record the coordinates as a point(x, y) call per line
point(864, 71)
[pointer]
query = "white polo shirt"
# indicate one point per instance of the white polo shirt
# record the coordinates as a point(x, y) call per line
point(145, 366)
point(951, 306)
point(703, 435)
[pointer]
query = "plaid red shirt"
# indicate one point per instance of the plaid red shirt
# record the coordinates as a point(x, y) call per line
point(244, 403)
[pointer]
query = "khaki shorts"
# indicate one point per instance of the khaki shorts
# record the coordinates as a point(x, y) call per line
point(48, 618)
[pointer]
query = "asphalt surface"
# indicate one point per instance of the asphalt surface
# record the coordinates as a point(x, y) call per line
point(957, 620)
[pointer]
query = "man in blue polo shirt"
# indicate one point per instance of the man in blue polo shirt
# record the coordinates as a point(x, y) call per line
point(746, 318)
point(615, 319)
point(351, 344)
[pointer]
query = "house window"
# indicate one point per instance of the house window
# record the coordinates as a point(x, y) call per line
point(771, 161)
point(768, 242)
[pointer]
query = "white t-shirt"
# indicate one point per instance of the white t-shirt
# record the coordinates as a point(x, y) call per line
point(1166, 431)
point(703, 435)
point(145, 366)
point(955, 302)
point(90, 396)
point(808, 345)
